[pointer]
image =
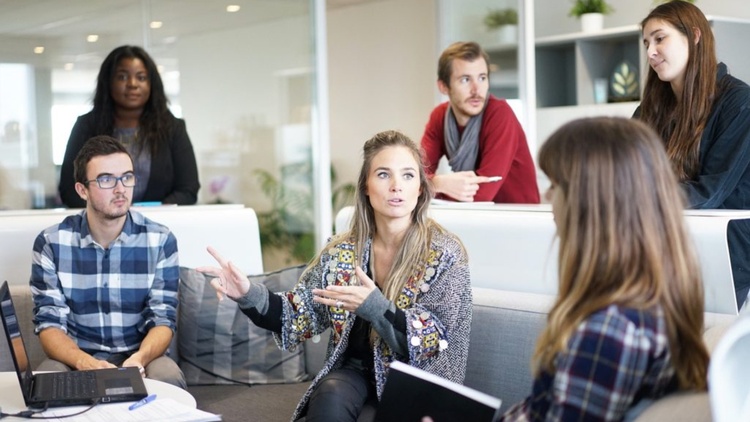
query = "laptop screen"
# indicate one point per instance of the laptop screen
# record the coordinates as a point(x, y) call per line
point(15, 341)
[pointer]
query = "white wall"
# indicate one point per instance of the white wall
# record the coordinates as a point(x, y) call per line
point(464, 19)
point(552, 15)
point(382, 68)
point(232, 101)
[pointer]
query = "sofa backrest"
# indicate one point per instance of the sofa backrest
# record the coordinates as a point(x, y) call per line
point(504, 329)
point(231, 229)
point(513, 247)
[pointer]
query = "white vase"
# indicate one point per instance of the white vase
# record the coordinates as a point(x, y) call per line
point(507, 34)
point(592, 22)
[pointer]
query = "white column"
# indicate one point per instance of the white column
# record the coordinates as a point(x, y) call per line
point(321, 142)
point(527, 72)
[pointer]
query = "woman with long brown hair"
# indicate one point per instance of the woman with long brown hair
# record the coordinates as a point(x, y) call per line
point(626, 325)
point(703, 115)
point(130, 104)
point(395, 286)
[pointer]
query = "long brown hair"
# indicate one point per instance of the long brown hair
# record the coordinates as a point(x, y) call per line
point(681, 121)
point(416, 244)
point(622, 238)
point(155, 122)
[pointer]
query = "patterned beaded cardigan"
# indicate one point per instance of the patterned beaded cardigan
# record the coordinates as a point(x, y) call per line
point(436, 300)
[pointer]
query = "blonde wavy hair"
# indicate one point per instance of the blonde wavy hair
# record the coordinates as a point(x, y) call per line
point(622, 239)
point(415, 247)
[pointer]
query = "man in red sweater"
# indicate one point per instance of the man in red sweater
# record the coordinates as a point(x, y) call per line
point(478, 133)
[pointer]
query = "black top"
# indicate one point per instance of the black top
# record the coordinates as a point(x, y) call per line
point(174, 173)
point(723, 180)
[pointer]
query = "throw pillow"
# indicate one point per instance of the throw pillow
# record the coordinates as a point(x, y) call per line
point(218, 344)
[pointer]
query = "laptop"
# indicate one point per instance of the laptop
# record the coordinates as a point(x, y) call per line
point(71, 388)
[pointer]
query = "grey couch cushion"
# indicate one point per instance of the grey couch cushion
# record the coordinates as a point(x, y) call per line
point(502, 343)
point(266, 403)
point(218, 344)
point(504, 329)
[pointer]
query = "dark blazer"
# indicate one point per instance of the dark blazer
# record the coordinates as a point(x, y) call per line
point(174, 172)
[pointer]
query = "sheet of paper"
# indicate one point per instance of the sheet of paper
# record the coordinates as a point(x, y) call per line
point(436, 201)
point(161, 409)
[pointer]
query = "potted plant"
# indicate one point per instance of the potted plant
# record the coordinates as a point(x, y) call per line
point(287, 229)
point(504, 22)
point(591, 13)
point(665, 1)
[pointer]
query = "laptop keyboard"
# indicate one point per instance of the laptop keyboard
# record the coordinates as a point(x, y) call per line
point(74, 384)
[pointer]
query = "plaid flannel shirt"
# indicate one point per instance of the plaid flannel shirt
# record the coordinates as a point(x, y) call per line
point(615, 358)
point(105, 299)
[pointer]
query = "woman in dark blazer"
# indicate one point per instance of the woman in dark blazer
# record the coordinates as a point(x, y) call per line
point(131, 105)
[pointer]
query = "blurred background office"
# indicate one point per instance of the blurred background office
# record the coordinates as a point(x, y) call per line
point(276, 116)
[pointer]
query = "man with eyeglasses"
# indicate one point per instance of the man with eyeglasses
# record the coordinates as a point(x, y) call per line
point(104, 281)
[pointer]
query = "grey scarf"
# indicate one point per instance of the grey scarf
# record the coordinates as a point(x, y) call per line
point(463, 151)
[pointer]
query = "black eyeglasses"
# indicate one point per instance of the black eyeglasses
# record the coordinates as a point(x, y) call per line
point(109, 182)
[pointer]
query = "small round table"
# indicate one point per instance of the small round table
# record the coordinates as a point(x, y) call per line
point(11, 401)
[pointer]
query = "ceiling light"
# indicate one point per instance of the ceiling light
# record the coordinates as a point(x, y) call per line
point(155, 24)
point(233, 8)
point(68, 66)
point(92, 38)
point(38, 50)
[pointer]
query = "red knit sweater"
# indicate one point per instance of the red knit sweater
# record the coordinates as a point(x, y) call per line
point(503, 151)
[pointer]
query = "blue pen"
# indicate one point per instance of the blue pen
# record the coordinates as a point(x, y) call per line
point(141, 402)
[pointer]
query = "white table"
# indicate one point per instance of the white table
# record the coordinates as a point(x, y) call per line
point(11, 400)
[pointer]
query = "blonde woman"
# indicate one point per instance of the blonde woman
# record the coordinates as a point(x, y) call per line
point(394, 287)
point(626, 325)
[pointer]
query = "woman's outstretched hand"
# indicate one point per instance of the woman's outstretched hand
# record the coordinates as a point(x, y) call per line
point(346, 297)
point(227, 280)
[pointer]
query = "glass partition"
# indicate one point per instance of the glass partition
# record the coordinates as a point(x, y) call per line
point(241, 75)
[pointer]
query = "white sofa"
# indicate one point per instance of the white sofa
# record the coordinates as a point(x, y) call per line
point(232, 229)
point(513, 248)
point(504, 329)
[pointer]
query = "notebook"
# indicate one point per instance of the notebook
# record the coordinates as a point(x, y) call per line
point(65, 388)
point(411, 394)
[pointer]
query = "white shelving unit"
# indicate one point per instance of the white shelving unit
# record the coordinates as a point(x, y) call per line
point(567, 66)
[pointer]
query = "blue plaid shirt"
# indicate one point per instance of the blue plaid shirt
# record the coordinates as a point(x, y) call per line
point(615, 358)
point(105, 299)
